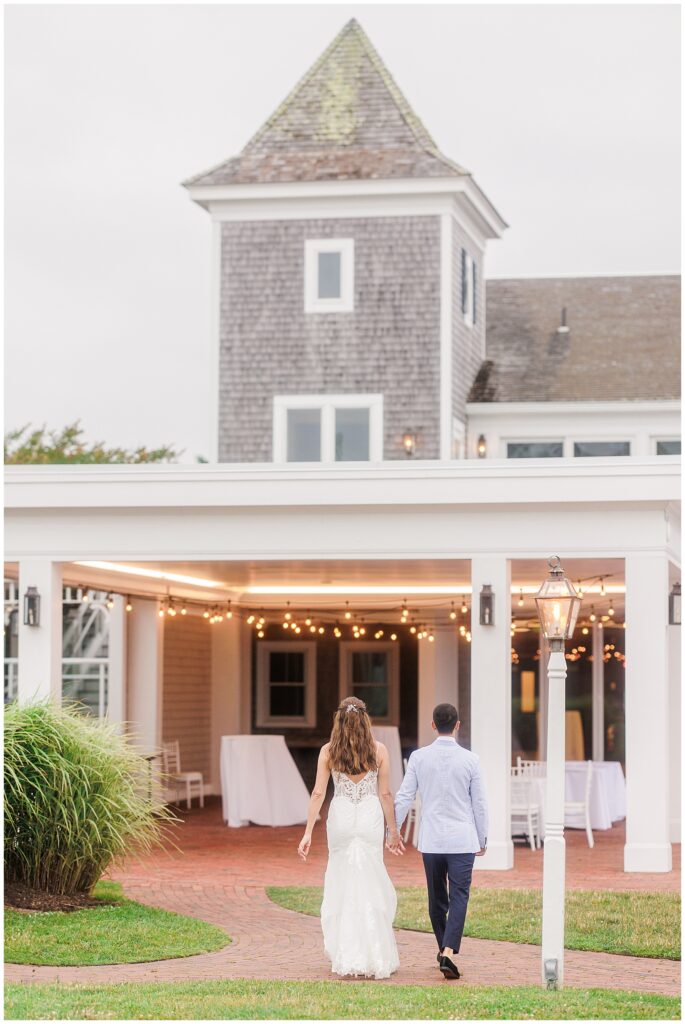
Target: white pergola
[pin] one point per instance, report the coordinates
(293, 525)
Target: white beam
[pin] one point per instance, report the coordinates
(438, 677)
(40, 647)
(145, 666)
(491, 704)
(597, 692)
(226, 714)
(648, 846)
(674, 718)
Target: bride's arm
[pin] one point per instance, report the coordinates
(386, 799)
(316, 799)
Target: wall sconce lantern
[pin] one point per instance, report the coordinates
(487, 605)
(409, 442)
(482, 447)
(32, 607)
(674, 612)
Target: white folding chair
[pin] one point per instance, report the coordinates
(171, 761)
(525, 812)
(583, 806)
(533, 769)
(413, 817)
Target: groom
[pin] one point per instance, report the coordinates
(453, 827)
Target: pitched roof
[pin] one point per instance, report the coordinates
(622, 343)
(346, 119)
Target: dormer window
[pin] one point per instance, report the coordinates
(468, 288)
(328, 428)
(329, 275)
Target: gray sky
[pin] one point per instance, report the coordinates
(567, 115)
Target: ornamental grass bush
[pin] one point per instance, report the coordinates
(76, 796)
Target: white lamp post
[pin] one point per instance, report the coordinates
(558, 604)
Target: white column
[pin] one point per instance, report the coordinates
(438, 677)
(40, 647)
(674, 711)
(116, 695)
(226, 689)
(597, 692)
(491, 704)
(145, 666)
(648, 846)
(554, 873)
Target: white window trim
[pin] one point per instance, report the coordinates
(662, 437)
(347, 647)
(312, 302)
(470, 299)
(328, 404)
(264, 719)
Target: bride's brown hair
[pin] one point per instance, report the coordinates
(352, 748)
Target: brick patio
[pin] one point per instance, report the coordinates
(220, 875)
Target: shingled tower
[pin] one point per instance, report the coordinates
(348, 271)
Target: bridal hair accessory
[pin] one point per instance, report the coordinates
(352, 707)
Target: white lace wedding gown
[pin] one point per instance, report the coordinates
(359, 900)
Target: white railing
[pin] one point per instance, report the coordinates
(85, 680)
(11, 678)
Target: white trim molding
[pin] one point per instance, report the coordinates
(313, 249)
(347, 649)
(328, 404)
(264, 718)
(446, 274)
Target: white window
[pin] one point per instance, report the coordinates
(535, 449)
(468, 288)
(329, 275)
(599, 449)
(370, 670)
(286, 684)
(668, 446)
(328, 428)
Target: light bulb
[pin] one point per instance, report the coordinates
(412, 629)
(260, 633)
(129, 606)
(585, 631)
(285, 625)
(205, 614)
(307, 622)
(287, 616)
(184, 610)
(321, 629)
(312, 629)
(250, 620)
(393, 636)
(464, 609)
(611, 611)
(348, 615)
(161, 613)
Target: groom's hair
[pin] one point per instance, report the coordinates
(445, 717)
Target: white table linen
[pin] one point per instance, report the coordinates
(607, 794)
(389, 735)
(260, 782)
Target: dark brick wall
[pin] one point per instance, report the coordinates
(389, 344)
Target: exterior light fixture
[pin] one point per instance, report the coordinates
(674, 612)
(409, 443)
(482, 447)
(558, 605)
(32, 607)
(487, 605)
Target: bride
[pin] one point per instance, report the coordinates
(359, 900)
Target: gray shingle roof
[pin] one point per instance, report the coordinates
(345, 119)
(623, 342)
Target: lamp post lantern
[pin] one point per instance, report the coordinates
(557, 604)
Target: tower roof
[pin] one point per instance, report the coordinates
(346, 119)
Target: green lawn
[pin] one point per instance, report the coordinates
(124, 933)
(635, 923)
(326, 1000)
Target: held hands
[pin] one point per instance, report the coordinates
(305, 843)
(394, 843)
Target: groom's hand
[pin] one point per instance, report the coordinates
(481, 851)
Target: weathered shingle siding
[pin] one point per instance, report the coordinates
(186, 702)
(389, 344)
(468, 343)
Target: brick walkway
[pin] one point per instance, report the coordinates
(220, 877)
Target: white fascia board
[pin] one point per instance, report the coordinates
(209, 196)
(638, 482)
(524, 409)
(327, 207)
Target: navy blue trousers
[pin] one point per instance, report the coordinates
(449, 881)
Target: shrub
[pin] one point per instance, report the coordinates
(76, 796)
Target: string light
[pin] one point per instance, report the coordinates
(161, 612)
(520, 600)
(84, 594)
(393, 636)
(184, 610)
(592, 616)
(109, 601)
(348, 613)
(453, 613)
(611, 611)
(464, 608)
(129, 606)
(250, 619)
(205, 614)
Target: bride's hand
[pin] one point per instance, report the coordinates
(394, 844)
(303, 848)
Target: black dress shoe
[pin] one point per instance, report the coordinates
(439, 956)
(449, 969)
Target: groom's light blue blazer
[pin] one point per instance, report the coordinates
(454, 813)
